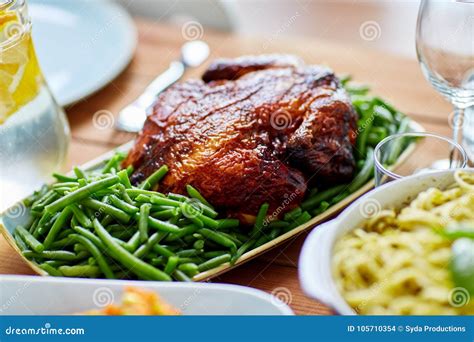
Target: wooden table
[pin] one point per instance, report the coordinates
(394, 78)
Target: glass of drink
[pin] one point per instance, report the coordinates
(445, 48)
(34, 133)
(427, 155)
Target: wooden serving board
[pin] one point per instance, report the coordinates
(8, 223)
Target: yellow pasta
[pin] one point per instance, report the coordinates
(397, 264)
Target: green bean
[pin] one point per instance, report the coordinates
(365, 174)
(79, 248)
(164, 201)
(198, 244)
(365, 122)
(194, 260)
(244, 248)
(107, 220)
(143, 198)
(162, 250)
(86, 271)
(398, 144)
(312, 202)
(208, 211)
(278, 224)
(302, 219)
(163, 226)
(137, 192)
(189, 269)
(79, 173)
(108, 209)
(262, 213)
(55, 255)
(188, 253)
(143, 221)
(133, 243)
(218, 238)
(158, 261)
(50, 270)
(171, 264)
(194, 193)
(57, 226)
(92, 248)
(143, 250)
(81, 216)
(122, 205)
(29, 239)
(213, 254)
(44, 221)
(112, 163)
(92, 261)
(227, 223)
(237, 242)
(177, 197)
(154, 178)
(262, 240)
(274, 233)
(134, 264)
(55, 263)
(321, 208)
(44, 200)
(19, 242)
(187, 230)
(340, 197)
(64, 234)
(81, 193)
(65, 184)
(291, 215)
(124, 180)
(89, 235)
(181, 276)
(63, 191)
(33, 226)
(214, 262)
(61, 244)
(166, 214)
(124, 194)
(63, 178)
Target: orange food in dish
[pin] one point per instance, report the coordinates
(136, 301)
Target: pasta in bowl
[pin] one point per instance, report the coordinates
(406, 248)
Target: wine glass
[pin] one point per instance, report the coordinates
(445, 49)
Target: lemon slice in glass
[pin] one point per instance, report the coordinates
(20, 76)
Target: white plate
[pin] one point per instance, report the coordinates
(81, 45)
(31, 295)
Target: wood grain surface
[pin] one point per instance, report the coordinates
(397, 79)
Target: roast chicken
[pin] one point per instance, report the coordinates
(255, 129)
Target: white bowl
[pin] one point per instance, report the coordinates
(316, 255)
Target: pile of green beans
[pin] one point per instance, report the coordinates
(97, 224)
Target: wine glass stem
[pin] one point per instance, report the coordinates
(457, 123)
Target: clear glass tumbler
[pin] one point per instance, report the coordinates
(34, 133)
(427, 155)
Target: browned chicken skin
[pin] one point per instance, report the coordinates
(255, 130)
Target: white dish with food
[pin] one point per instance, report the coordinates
(406, 282)
(30, 295)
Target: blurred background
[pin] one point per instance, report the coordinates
(338, 20)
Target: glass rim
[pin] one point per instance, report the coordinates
(380, 166)
(20, 29)
(6, 4)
